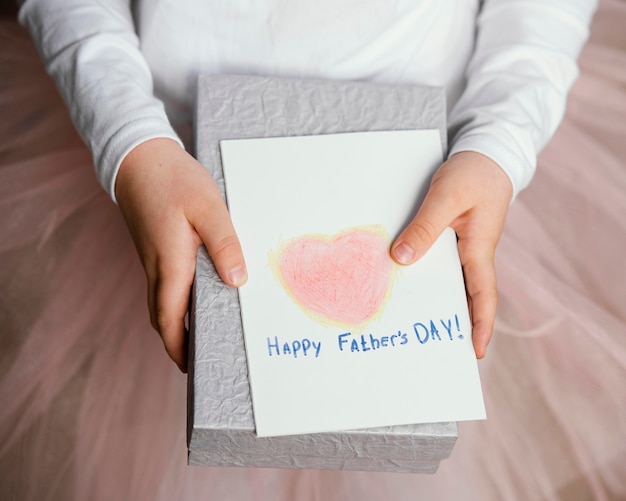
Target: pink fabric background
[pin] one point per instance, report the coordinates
(91, 408)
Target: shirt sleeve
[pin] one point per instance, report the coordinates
(92, 51)
(523, 66)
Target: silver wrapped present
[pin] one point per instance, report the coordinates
(221, 428)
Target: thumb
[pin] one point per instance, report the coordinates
(436, 213)
(216, 230)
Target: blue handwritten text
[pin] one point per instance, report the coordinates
(297, 347)
(366, 343)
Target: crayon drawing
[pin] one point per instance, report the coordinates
(343, 279)
(337, 336)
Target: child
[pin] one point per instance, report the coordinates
(91, 407)
(506, 66)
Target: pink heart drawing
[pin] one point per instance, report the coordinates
(344, 278)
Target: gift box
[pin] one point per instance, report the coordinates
(221, 430)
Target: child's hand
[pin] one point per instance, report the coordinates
(471, 194)
(171, 205)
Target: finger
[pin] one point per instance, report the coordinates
(436, 213)
(152, 301)
(171, 299)
(480, 282)
(218, 234)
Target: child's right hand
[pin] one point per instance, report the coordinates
(171, 205)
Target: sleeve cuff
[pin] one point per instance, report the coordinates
(122, 142)
(520, 169)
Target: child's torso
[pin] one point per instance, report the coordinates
(419, 41)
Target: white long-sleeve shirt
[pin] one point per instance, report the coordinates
(127, 70)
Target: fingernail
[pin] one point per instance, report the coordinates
(403, 253)
(237, 276)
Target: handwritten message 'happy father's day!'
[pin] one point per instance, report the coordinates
(430, 331)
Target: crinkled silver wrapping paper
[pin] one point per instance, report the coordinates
(220, 420)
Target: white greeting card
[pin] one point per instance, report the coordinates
(337, 335)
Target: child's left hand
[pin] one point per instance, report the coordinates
(471, 194)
